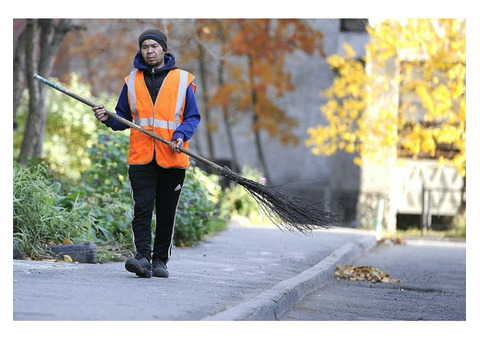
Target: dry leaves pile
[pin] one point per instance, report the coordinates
(398, 240)
(362, 273)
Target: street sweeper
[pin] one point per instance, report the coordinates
(159, 97)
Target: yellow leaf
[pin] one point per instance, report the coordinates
(67, 241)
(67, 258)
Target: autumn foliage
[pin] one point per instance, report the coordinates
(429, 119)
(257, 72)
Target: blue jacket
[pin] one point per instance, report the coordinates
(191, 115)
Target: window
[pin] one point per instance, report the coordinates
(353, 25)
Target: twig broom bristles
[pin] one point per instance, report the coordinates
(282, 208)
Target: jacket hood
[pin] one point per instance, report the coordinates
(169, 63)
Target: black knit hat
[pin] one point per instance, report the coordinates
(155, 34)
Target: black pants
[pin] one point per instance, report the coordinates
(154, 185)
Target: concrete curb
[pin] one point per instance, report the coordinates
(273, 303)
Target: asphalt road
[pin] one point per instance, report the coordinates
(432, 287)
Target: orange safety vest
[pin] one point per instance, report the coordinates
(162, 118)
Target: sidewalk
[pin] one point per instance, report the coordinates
(243, 273)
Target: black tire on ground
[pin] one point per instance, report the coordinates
(84, 252)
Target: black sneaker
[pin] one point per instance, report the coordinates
(139, 265)
(159, 269)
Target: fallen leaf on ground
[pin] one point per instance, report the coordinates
(362, 273)
(392, 240)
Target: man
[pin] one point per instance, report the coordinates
(159, 97)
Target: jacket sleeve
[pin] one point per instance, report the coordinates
(191, 117)
(123, 110)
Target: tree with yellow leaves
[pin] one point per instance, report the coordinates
(429, 79)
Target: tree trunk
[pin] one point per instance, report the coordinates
(51, 38)
(228, 126)
(206, 107)
(18, 73)
(32, 130)
(225, 113)
(256, 132)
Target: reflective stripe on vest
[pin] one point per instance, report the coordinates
(131, 94)
(163, 124)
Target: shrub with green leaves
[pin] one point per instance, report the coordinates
(38, 217)
(237, 201)
(198, 211)
(71, 128)
(106, 189)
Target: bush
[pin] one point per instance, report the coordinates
(198, 211)
(106, 189)
(238, 202)
(71, 129)
(100, 209)
(38, 217)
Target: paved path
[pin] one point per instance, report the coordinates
(228, 272)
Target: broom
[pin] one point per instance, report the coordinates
(285, 210)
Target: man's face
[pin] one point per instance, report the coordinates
(152, 53)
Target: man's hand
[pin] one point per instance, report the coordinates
(100, 114)
(176, 144)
